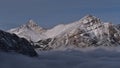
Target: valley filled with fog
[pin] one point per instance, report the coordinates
(79, 58)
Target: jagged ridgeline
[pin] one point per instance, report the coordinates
(89, 31)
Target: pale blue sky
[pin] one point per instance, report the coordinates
(48, 13)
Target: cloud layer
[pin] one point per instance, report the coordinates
(85, 58)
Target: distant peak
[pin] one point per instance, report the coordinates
(89, 16)
(90, 19)
(31, 23)
(31, 20)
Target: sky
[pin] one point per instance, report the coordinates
(48, 13)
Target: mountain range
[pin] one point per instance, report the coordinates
(89, 31)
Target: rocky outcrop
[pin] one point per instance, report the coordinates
(118, 26)
(12, 43)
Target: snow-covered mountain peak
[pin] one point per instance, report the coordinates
(89, 16)
(31, 23)
(30, 31)
(87, 23)
(90, 20)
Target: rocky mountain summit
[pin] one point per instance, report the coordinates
(88, 31)
(31, 31)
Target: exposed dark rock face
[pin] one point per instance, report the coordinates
(12, 43)
(118, 26)
(42, 44)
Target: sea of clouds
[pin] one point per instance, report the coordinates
(79, 58)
